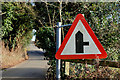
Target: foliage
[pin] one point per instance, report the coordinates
(19, 18)
(102, 17)
(45, 40)
(80, 71)
(17, 24)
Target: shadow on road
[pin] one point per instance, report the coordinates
(22, 79)
(35, 55)
(35, 68)
(25, 73)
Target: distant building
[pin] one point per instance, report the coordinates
(34, 36)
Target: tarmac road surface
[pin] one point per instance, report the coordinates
(35, 68)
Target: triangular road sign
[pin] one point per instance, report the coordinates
(80, 42)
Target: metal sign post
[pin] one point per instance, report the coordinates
(80, 42)
(58, 43)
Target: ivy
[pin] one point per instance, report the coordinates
(102, 18)
(17, 24)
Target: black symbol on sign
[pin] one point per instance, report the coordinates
(79, 42)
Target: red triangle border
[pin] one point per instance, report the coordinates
(81, 56)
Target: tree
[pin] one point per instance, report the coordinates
(17, 24)
(97, 15)
(102, 18)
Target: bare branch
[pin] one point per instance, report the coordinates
(41, 23)
(53, 20)
(60, 11)
(48, 13)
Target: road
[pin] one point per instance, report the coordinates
(34, 68)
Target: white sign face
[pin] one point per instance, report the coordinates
(89, 46)
(80, 42)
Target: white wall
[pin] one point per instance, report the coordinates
(34, 36)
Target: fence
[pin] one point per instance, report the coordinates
(87, 69)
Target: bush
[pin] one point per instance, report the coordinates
(102, 18)
(17, 25)
(45, 39)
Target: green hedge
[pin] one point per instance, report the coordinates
(102, 18)
(17, 24)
